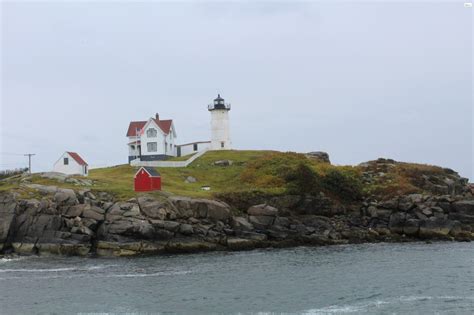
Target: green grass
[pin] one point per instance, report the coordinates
(263, 171)
(118, 180)
(181, 158)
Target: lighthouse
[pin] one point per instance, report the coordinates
(220, 136)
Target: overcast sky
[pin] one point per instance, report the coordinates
(358, 80)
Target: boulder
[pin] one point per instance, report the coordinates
(397, 222)
(263, 210)
(411, 227)
(190, 179)
(261, 222)
(241, 223)
(464, 206)
(153, 208)
(186, 229)
(240, 243)
(318, 156)
(65, 197)
(7, 215)
(436, 227)
(223, 163)
(217, 210)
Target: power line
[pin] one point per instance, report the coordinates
(8, 153)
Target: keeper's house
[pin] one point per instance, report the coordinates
(151, 140)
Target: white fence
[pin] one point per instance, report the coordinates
(137, 162)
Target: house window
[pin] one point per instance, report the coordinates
(66, 161)
(152, 146)
(222, 144)
(151, 133)
(195, 147)
(85, 169)
(133, 147)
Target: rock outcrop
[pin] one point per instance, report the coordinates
(69, 222)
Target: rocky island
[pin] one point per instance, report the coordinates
(257, 199)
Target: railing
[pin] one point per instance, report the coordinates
(218, 106)
(137, 162)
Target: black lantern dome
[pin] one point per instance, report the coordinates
(219, 104)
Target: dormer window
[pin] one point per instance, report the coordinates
(151, 133)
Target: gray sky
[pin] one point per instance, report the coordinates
(360, 80)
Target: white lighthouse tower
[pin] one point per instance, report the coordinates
(220, 136)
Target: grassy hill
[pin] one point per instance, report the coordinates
(268, 172)
(119, 179)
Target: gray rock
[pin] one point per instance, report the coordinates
(190, 179)
(372, 212)
(411, 227)
(261, 222)
(464, 206)
(263, 210)
(397, 222)
(7, 214)
(65, 197)
(156, 208)
(435, 227)
(217, 210)
(186, 229)
(42, 188)
(282, 221)
(318, 156)
(171, 226)
(223, 163)
(241, 223)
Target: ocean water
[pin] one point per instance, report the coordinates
(410, 278)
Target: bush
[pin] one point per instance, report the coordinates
(344, 183)
(302, 180)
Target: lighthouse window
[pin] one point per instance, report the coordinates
(222, 144)
(151, 133)
(151, 146)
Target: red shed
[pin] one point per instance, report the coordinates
(147, 179)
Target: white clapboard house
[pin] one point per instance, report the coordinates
(71, 163)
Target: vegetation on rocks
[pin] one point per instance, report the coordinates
(257, 199)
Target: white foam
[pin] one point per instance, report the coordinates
(57, 269)
(360, 307)
(156, 274)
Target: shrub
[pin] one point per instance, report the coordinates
(343, 182)
(302, 180)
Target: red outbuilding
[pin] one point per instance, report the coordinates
(147, 179)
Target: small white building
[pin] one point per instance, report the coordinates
(193, 147)
(71, 163)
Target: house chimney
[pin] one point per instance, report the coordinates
(157, 117)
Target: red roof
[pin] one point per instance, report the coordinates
(164, 125)
(77, 158)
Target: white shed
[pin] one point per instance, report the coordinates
(71, 163)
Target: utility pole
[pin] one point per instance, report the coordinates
(29, 155)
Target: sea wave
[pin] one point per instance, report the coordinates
(372, 305)
(87, 268)
(11, 259)
(57, 274)
(156, 274)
